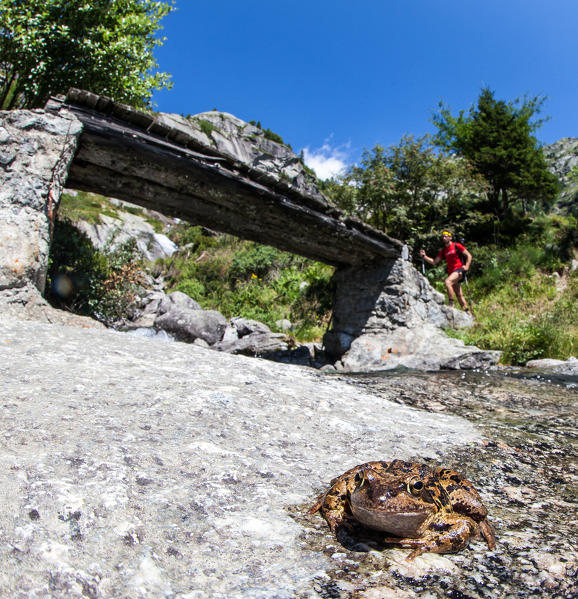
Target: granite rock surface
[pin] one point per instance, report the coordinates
(133, 468)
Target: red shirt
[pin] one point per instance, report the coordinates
(452, 257)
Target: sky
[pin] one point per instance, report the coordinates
(335, 78)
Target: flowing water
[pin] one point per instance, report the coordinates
(525, 469)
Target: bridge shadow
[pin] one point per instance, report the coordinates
(361, 293)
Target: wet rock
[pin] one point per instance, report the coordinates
(569, 366)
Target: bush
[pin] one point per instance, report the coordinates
(84, 280)
(256, 261)
(244, 278)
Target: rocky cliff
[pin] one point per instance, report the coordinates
(562, 157)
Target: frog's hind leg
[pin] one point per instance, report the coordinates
(440, 537)
(488, 533)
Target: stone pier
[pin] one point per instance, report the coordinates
(36, 150)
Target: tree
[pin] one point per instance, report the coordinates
(104, 46)
(409, 190)
(497, 139)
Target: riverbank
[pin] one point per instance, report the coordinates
(135, 468)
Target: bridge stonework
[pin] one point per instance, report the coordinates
(90, 143)
(36, 150)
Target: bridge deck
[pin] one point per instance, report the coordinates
(139, 157)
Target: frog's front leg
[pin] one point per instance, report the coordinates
(444, 535)
(334, 504)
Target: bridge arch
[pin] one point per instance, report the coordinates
(158, 161)
(161, 162)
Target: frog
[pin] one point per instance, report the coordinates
(426, 509)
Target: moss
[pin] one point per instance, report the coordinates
(85, 206)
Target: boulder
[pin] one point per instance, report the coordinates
(251, 338)
(387, 315)
(421, 348)
(188, 325)
(177, 300)
(569, 366)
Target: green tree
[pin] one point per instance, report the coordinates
(409, 190)
(496, 137)
(104, 46)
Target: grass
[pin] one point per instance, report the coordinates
(85, 206)
(243, 278)
(519, 308)
(523, 307)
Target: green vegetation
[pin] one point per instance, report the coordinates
(85, 206)
(411, 189)
(100, 284)
(206, 127)
(523, 296)
(485, 178)
(496, 139)
(107, 47)
(520, 286)
(271, 135)
(90, 207)
(243, 278)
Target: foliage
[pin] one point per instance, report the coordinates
(207, 127)
(526, 319)
(513, 291)
(271, 135)
(409, 189)
(257, 261)
(101, 284)
(85, 206)
(243, 278)
(496, 137)
(104, 46)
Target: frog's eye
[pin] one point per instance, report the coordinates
(415, 486)
(359, 478)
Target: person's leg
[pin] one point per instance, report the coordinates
(450, 286)
(460, 295)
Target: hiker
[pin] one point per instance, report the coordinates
(453, 253)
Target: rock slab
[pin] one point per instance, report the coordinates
(133, 468)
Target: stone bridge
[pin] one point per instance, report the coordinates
(216, 178)
(217, 171)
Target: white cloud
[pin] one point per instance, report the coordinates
(326, 161)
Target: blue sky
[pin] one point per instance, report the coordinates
(336, 77)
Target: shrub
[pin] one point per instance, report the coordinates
(255, 260)
(84, 280)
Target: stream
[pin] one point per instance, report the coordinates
(525, 469)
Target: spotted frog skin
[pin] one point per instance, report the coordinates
(427, 509)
